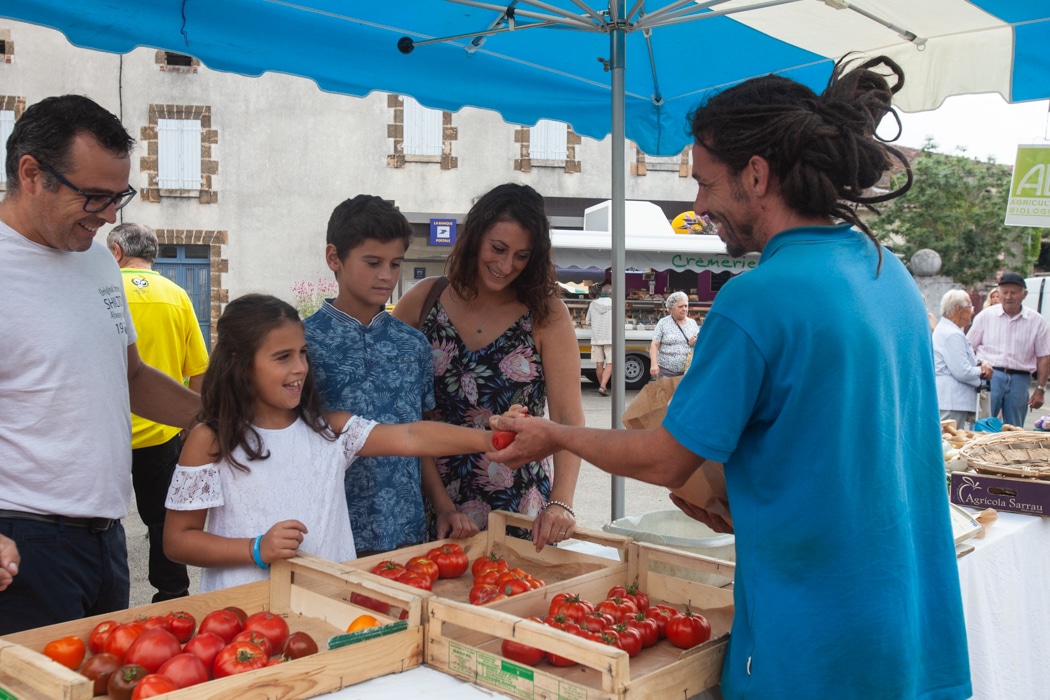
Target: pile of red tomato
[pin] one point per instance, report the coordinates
(159, 654)
(446, 561)
(494, 579)
(625, 619)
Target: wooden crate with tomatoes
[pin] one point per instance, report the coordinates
(310, 596)
(501, 645)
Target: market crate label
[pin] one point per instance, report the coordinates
(1016, 495)
(508, 677)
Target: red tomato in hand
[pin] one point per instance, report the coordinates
(452, 561)
(185, 669)
(298, 645)
(153, 684)
(120, 639)
(238, 657)
(370, 603)
(688, 629)
(182, 625)
(423, 566)
(205, 646)
(256, 639)
(271, 626)
(501, 439)
(388, 569)
(152, 648)
(97, 638)
(222, 623)
(98, 669)
(122, 682)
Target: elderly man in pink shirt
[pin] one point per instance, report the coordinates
(1015, 340)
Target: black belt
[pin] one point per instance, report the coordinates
(1012, 371)
(94, 525)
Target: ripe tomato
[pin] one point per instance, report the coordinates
(424, 566)
(154, 622)
(256, 639)
(631, 592)
(630, 639)
(556, 660)
(271, 626)
(185, 669)
(98, 669)
(152, 648)
(241, 615)
(598, 620)
(362, 622)
(660, 617)
(646, 627)
(411, 578)
(484, 593)
(153, 684)
(452, 561)
(489, 575)
(298, 645)
(221, 622)
(122, 682)
(522, 653)
(619, 608)
(571, 605)
(688, 629)
(238, 657)
(370, 603)
(487, 560)
(68, 651)
(97, 638)
(388, 569)
(120, 639)
(205, 646)
(502, 439)
(182, 625)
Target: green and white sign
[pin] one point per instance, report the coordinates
(1030, 189)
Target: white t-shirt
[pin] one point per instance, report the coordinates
(301, 480)
(65, 423)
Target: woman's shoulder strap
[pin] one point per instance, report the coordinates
(435, 291)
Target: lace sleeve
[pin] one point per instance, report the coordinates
(194, 488)
(355, 432)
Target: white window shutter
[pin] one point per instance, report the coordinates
(7, 124)
(549, 140)
(179, 154)
(423, 129)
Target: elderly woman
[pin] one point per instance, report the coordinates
(958, 373)
(673, 339)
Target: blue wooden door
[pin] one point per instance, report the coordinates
(189, 267)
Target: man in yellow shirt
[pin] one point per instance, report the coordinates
(170, 340)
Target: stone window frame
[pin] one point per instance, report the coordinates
(396, 131)
(218, 295)
(161, 58)
(640, 167)
(16, 104)
(7, 55)
(207, 194)
(526, 162)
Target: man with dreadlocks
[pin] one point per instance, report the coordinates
(827, 422)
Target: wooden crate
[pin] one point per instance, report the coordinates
(312, 594)
(464, 640)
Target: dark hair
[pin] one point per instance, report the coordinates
(136, 240)
(47, 129)
(822, 149)
(524, 206)
(228, 392)
(366, 217)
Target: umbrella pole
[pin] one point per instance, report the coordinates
(617, 42)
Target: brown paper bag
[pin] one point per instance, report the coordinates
(706, 488)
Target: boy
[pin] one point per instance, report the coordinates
(371, 364)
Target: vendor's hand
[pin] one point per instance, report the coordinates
(1036, 401)
(712, 520)
(517, 411)
(455, 525)
(553, 524)
(9, 560)
(282, 541)
(533, 441)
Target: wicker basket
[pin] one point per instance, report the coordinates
(1014, 453)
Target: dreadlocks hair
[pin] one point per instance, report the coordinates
(823, 150)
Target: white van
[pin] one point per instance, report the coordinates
(1038, 295)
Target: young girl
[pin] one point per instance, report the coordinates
(261, 477)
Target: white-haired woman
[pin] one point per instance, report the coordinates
(958, 373)
(673, 338)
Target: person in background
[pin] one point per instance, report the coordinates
(785, 401)
(501, 336)
(375, 366)
(958, 373)
(8, 561)
(599, 318)
(170, 340)
(72, 373)
(1015, 341)
(992, 299)
(673, 338)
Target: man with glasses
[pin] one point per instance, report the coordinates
(71, 373)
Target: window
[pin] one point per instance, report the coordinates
(177, 59)
(422, 129)
(548, 140)
(179, 154)
(677, 164)
(7, 123)
(420, 135)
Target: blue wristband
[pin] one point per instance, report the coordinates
(257, 555)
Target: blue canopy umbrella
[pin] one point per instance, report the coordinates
(567, 59)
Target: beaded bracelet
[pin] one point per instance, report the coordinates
(566, 506)
(257, 555)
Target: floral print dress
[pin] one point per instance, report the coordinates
(469, 387)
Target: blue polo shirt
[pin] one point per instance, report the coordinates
(817, 392)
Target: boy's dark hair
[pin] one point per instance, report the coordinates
(228, 391)
(47, 129)
(366, 217)
(523, 205)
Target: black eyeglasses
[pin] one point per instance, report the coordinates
(94, 203)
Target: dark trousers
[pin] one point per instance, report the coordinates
(66, 573)
(151, 470)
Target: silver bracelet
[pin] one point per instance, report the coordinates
(566, 506)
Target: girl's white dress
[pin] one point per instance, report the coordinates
(301, 480)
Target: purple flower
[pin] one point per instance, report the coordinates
(518, 365)
(493, 476)
(469, 387)
(532, 502)
(443, 353)
(478, 511)
(478, 417)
